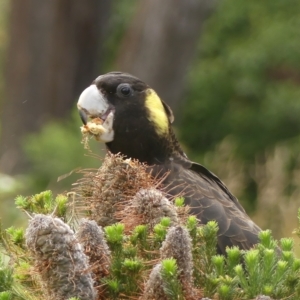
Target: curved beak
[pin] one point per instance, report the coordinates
(92, 103)
(83, 116)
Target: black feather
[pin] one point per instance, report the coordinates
(135, 136)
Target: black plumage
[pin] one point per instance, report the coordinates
(141, 129)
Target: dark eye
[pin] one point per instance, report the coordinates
(124, 90)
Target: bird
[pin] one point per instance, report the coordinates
(138, 124)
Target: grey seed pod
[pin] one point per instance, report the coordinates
(154, 286)
(59, 259)
(153, 205)
(106, 192)
(178, 245)
(91, 237)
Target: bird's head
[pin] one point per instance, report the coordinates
(137, 122)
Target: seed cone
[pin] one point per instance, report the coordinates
(91, 237)
(59, 259)
(178, 245)
(107, 191)
(148, 206)
(154, 286)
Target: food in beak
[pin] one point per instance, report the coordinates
(92, 128)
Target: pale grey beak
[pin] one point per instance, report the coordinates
(91, 103)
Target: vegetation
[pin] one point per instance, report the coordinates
(245, 83)
(239, 115)
(240, 118)
(148, 252)
(244, 88)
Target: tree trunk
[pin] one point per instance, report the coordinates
(50, 59)
(161, 43)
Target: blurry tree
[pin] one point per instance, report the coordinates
(3, 40)
(161, 43)
(246, 82)
(54, 52)
(246, 85)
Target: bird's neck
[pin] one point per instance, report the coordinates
(147, 147)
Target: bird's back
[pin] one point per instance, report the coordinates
(209, 199)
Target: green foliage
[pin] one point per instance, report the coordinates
(139, 236)
(245, 83)
(115, 233)
(179, 202)
(129, 254)
(16, 281)
(160, 230)
(6, 278)
(169, 273)
(22, 271)
(244, 88)
(244, 274)
(125, 267)
(233, 259)
(43, 203)
(265, 269)
(61, 205)
(16, 235)
(5, 296)
(56, 150)
(204, 248)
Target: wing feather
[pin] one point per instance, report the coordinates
(209, 199)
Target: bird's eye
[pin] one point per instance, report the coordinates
(124, 90)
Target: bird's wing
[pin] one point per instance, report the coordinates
(209, 199)
(211, 177)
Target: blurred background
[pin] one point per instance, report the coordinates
(229, 69)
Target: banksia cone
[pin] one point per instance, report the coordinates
(148, 206)
(106, 192)
(178, 245)
(154, 287)
(59, 259)
(91, 237)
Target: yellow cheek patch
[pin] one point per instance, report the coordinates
(157, 113)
